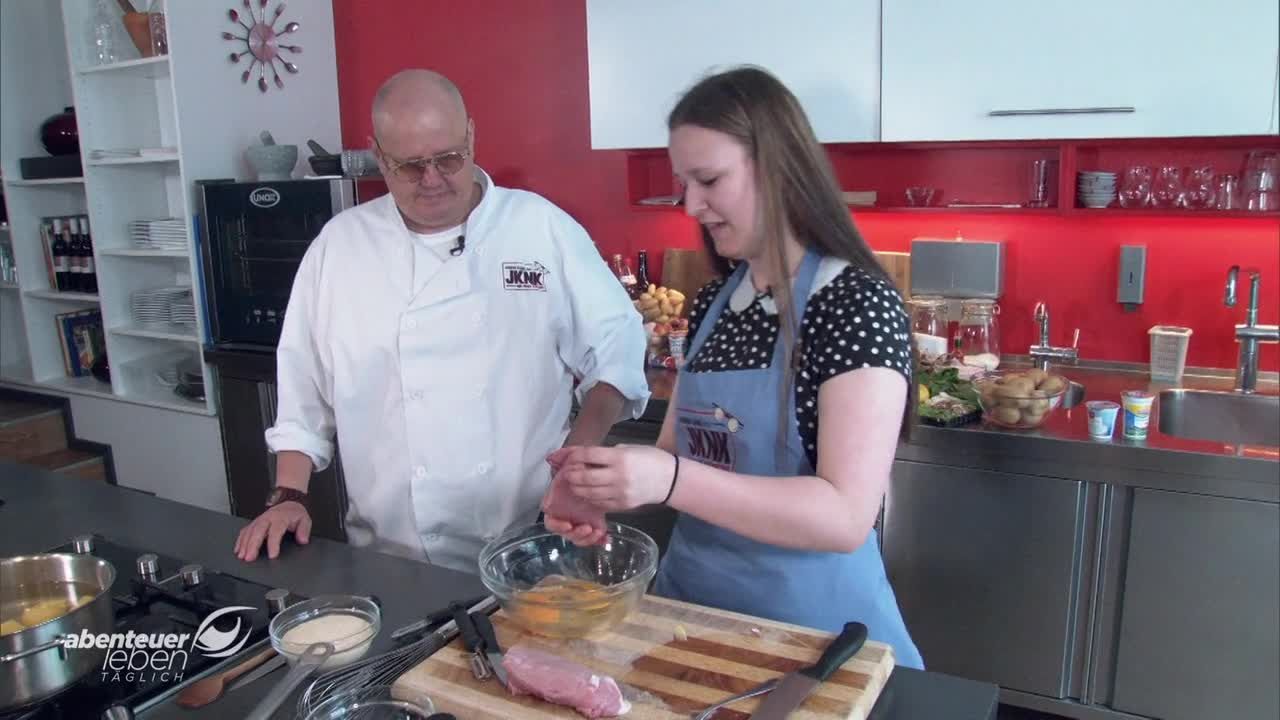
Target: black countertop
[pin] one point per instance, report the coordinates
(43, 510)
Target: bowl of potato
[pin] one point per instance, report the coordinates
(660, 304)
(1020, 399)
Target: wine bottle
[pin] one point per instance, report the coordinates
(642, 273)
(623, 271)
(75, 255)
(61, 259)
(90, 268)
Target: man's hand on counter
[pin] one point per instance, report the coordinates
(271, 525)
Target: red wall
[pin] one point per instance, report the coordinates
(522, 67)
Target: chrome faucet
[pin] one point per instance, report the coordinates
(1043, 352)
(1250, 334)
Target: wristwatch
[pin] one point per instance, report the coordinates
(285, 494)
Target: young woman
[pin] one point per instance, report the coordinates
(781, 431)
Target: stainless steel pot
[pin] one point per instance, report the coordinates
(34, 664)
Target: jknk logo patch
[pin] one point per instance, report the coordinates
(524, 276)
(710, 436)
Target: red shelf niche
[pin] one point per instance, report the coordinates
(1117, 211)
(1226, 155)
(953, 210)
(995, 173)
(649, 175)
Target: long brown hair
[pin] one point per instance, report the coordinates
(796, 190)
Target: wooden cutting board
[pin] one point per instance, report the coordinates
(686, 271)
(663, 677)
(898, 265)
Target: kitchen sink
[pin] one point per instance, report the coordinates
(1074, 395)
(1227, 417)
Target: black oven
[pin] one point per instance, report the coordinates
(253, 236)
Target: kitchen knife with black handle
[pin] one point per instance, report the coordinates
(492, 651)
(794, 687)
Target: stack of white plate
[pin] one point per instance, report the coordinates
(183, 311)
(1096, 189)
(159, 234)
(155, 306)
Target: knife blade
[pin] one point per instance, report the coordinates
(794, 687)
(258, 673)
(492, 651)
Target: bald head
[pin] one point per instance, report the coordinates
(417, 98)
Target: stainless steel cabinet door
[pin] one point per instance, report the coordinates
(1199, 631)
(984, 565)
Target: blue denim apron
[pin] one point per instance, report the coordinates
(729, 419)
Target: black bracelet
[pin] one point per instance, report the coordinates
(674, 475)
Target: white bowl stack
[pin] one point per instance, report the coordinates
(1096, 189)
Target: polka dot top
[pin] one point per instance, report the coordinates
(853, 320)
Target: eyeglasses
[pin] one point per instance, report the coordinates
(446, 163)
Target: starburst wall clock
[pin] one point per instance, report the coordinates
(262, 40)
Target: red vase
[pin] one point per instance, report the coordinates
(59, 135)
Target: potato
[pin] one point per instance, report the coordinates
(648, 302)
(989, 398)
(1032, 419)
(1008, 394)
(676, 296)
(11, 626)
(664, 318)
(666, 307)
(1007, 415)
(651, 289)
(1039, 403)
(1054, 384)
(1036, 375)
(1024, 385)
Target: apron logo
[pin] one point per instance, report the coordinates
(524, 276)
(710, 446)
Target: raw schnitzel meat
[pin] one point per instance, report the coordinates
(564, 504)
(563, 682)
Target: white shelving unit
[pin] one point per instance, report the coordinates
(46, 183)
(191, 101)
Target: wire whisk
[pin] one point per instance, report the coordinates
(382, 669)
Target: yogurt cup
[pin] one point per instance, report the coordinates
(1102, 418)
(1137, 413)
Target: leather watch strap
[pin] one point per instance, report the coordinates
(286, 494)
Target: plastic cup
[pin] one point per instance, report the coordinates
(1102, 418)
(676, 341)
(1137, 413)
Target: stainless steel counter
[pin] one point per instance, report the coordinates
(1062, 446)
(1077, 573)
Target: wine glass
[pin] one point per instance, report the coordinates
(1167, 190)
(1135, 189)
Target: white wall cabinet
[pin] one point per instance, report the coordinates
(642, 56)
(1011, 69)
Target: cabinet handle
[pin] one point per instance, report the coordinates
(1064, 111)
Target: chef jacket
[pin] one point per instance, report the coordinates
(446, 399)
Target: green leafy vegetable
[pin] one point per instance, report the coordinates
(948, 381)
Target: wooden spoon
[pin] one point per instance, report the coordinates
(206, 690)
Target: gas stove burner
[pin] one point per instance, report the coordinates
(156, 594)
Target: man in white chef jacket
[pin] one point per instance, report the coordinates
(437, 331)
